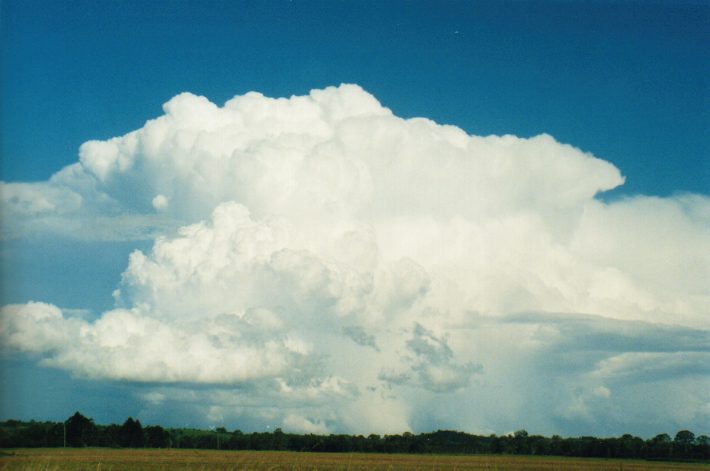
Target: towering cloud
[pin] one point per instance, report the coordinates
(324, 265)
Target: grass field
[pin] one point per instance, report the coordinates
(101, 459)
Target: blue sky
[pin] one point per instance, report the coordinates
(624, 81)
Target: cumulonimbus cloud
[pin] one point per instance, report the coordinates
(322, 253)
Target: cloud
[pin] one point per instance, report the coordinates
(126, 345)
(369, 273)
(336, 152)
(429, 365)
(433, 363)
(358, 335)
(303, 425)
(160, 202)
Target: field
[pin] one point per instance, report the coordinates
(101, 459)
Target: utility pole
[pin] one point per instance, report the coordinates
(64, 427)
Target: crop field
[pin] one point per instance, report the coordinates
(101, 459)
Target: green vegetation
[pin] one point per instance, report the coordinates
(80, 431)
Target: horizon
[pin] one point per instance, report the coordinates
(357, 218)
(221, 429)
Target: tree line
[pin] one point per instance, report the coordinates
(81, 431)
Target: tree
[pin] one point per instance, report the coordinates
(702, 447)
(80, 430)
(156, 437)
(683, 443)
(520, 438)
(279, 440)
(132, 434)
(660, 446)
(110, 436)
(684, 437)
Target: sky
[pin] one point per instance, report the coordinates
(360, 217)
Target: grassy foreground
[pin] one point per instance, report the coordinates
(103, 459)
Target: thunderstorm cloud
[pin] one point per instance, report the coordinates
(322, 264)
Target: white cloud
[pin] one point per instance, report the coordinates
(160, 202)
(34, 199)
(295, 423)
(361, 270)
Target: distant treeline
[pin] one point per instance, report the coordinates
(80, 431)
